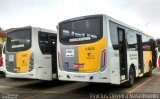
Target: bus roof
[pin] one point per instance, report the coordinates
(42, 29)
(126, 25)
(108, 18)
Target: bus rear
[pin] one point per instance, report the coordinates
(82, 51)
(31, 53)
(18, 52)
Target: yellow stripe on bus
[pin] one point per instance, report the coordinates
(90, 55)
(22, 61)
(147, 58)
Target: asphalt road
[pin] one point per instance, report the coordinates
(32, 89)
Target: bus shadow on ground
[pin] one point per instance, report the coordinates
(84, 90)
(2, 75)
(100, 88)
(44, 85)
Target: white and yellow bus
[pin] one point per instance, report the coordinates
(158, 52)
(2, 58)
(31, 53)
(98, 48)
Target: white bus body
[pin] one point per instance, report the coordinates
(101, 49)
(31, 54)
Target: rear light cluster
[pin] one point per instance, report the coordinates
(103, 60)
(1, 61)
(59, 59)
(159, 62)
(31, 62)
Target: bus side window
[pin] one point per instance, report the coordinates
(43, 43)
(120, 35)
(146, 43)
(158, 48)
(132, 40)
(114, 35)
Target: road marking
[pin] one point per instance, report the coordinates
(34, 95)
(5, 87)
(132, 90)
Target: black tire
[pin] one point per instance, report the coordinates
(150, 70)
(131, 81)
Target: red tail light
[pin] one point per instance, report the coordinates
(1, 62)
(103, 60)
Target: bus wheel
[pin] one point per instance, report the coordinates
(131, 77)
(150, 70)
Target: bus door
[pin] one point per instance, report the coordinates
(122, 53)
(45, 60)
(154, 53)
(53, 50)
(140, 53)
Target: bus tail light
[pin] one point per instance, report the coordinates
(103, 60)
(1, 62)
(31, 62)
(59, 61)
(159, 62)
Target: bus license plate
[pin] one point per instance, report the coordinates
(78, 65)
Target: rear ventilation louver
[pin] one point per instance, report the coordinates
(31, 62)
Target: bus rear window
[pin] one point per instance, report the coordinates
(81, 31)
(18, 40)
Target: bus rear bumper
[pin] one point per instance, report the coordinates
(28, 75)
(84, 77)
